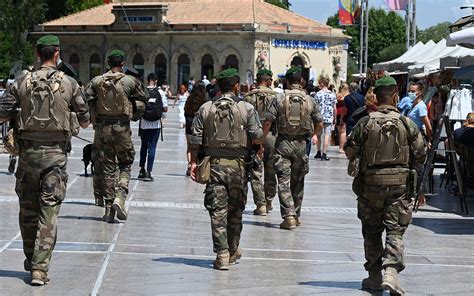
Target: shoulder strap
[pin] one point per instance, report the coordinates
(355, 100)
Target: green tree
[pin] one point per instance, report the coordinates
(281, 3)
(435, 33)
(16, 18)
(385, 30)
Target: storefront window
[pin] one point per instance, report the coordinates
(161, 68)
(207, 66)
(184, 69)
(139, 65)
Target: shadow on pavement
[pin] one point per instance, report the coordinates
(22, 275)
(81, 218)
(341, 285)
(264, 224)
(204, 263)
(446, 226)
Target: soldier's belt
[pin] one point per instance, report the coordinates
(35, 144)
(113, 121)
(226, 161)
(292, 137)
(386, 177)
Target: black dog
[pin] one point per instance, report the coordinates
(87, 158)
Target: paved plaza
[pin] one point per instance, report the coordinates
(165, 245)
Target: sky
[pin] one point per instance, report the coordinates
(429, 12)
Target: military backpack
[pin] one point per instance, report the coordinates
(225, 124)
(112, 100)
(386, 151)
(295, 112)
(45, 109)
(261, 99)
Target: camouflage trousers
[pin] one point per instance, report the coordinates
(116, 153)
(269, 177)
(41, 182)
(291, 166)
(256, 181)
(390, 212)
(225, 199)
(98, 178)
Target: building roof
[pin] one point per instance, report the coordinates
(206, 12)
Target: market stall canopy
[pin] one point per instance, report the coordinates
(466, 73)
(424, 59)
(463, 38)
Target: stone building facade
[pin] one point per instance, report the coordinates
(181, 39)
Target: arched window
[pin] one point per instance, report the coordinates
(94, 66)
(160, 68)
(75, 64)
(297, 61)
(231, 62)
(138, 64)
(207, 66)
(183, 69)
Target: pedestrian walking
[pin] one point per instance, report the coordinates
(117, 99)
(150, 127)
(326, 99)
(340, 113)
(263, 190)
(47, 108)
(181, 98)
(388, 147)
(196, 99)
(352, 102)
(225, 128)
(296, 116)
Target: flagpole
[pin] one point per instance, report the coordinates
(407, 25)
(413, 22)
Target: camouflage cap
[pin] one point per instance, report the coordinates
(48, 40)
(293, 70)
(115, 54)
(386, 81)
(228, 73)
(264, 72)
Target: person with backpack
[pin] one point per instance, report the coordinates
(116, 98)
(354, 101)
(263, 191)
(297, 117)
(46, 108)
(387, 147)
(224, 128)
(150, 127)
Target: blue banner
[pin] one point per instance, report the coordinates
(299, 44)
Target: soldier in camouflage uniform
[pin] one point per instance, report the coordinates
(46, 107)
(387, 147)
(297, 116)
(224, 128)
(263, 192)
(116, 99)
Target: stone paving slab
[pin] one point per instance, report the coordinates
(165, 246)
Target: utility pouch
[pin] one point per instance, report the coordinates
(203, 173)
(353, 167)
(11, 144)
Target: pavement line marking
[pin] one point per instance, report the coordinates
(110, 251)
(288, 259)
(18, 234)
(10, 242)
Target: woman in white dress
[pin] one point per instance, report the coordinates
(181, 98)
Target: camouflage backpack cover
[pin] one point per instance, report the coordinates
(112, 100)
(225, 124)
(386, 152)
(45, 109)
(295, 111)
(261, 99)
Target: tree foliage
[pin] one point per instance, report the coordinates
(281, 3)
(435, 33)
(385, 30)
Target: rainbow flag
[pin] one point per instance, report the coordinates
(397, 4)
(349, 11)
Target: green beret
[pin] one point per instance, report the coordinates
(48, 40)
(293, 70)
(385, 81)
(228, 73)
(116, 53)
(264, 72)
